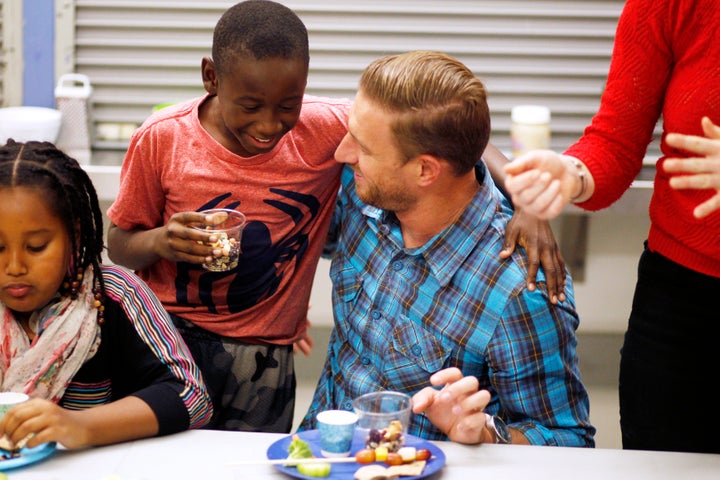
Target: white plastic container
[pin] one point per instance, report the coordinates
(72, 97)
(24, 124)
(530, 128)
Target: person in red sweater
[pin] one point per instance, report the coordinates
(665, 63)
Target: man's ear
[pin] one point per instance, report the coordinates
(429, 169)
(209, 75)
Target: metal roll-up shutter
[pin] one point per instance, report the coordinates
(142, 53)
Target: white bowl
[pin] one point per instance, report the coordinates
(24, 124)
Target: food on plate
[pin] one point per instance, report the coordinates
(406, 461)
(378, 472)
(299, 449)
(6, 443)
(8, 454)
(381, 453)
(408, 469)
(390, 437)
(11, 449)
(314, 469)
(371, 472)
(422, 454)
(366, 455)
(402, 456)
(408, 454)
(394, 459)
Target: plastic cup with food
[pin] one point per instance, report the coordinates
(225, 227)
(384, 418)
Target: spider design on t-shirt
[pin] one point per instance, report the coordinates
(263, 264)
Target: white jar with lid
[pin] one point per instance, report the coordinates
(530, 128)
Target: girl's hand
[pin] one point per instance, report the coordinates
(126, 419)
(543, 182)
(44, 421)
(701, 172)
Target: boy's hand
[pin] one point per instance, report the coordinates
(180, 242)
(305, 344)
(539, 242)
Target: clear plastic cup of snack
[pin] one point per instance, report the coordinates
(383, 417)
(226, 227)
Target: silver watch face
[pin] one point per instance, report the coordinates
(502, 433)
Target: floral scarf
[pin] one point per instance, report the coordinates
(67, 336)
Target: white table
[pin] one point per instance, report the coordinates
(203, 455)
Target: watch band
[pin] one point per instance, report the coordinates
(496, 425)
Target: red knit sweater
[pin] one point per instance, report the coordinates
(666, 61)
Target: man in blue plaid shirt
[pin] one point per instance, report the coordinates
(423, 303)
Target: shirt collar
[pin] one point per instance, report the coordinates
(447, 251)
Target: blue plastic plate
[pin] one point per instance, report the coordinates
(345, 471)
(27, 456)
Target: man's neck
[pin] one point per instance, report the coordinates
(437, 210)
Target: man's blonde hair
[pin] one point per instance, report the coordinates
(440, 106)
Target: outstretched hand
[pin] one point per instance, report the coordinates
(700, 172)
(537, 237)
(457, 408)
(541, 183)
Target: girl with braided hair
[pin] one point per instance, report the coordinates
(75, 333)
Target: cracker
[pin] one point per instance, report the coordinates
(408, 469)
(378, 472)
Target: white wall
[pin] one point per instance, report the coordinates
(615, 242)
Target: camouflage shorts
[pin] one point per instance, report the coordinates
(252, 386)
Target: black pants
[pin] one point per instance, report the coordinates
(670, 360)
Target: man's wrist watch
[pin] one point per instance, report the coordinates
(496, 425)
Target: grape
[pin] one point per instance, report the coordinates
(375, 435)
(365, 456)
(394, 459)
(422, 454)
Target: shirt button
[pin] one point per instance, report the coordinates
(365, 361)
(397, 265)
(347, 405)
(416, 350)
(375, 315)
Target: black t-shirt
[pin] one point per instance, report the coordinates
(125, 365)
